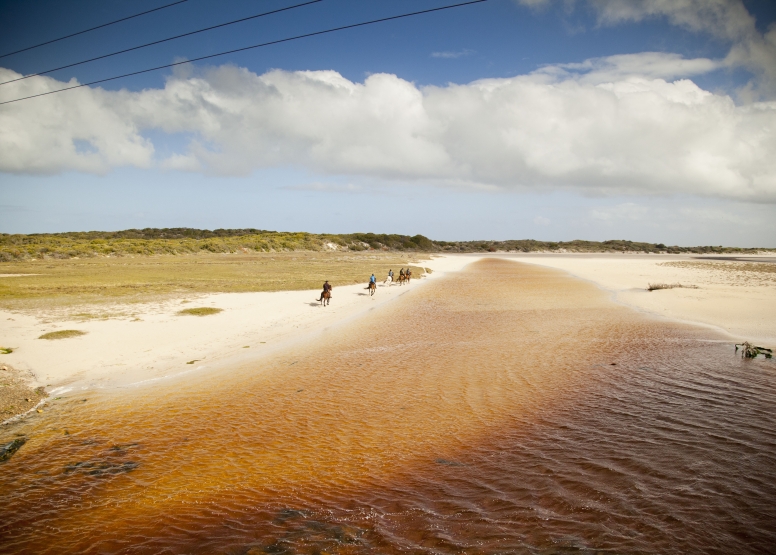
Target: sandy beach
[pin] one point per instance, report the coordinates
(157, 343)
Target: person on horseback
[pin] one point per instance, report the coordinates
(401, 272)
(326, 287)
(373, 279)
(390, 276)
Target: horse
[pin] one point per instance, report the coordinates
(402, 278)
(372, 288)
(388, 280)
(408, 275)
(325, 298)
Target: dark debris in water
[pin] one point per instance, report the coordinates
(101, 468)
(7, 450)
(448, 463)
(124, 446)
(301, 531)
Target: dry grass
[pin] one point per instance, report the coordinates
(62, 334)
(200, 311)
(66, 284)
(656, 286)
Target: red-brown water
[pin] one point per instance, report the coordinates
(507, 409)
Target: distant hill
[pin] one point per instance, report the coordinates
(177, 241)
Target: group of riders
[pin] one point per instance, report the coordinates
(404, 275)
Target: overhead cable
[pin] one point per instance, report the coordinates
(93, 28)
(161, 41)
(279, 41)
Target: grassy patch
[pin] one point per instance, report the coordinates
(62, 334)
(5, 350)
(200, 311)
(67, 284)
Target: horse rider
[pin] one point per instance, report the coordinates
(372, 280)
(326, 287)
(390, 275)
(401, 272)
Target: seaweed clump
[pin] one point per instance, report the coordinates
(751, 351)
(7, 450)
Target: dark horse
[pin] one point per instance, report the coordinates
(325, 297)
(408, 275)
(402, 278)
(372, 288)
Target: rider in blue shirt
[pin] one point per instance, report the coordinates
(372, 279)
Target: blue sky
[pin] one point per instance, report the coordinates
(339, 153)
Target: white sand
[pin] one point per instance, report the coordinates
(127, 352)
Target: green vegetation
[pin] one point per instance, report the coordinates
(199, 311)
(62, 334)
(100, 282)
(5, 350)
(177, 241)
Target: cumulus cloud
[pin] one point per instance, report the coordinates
(725, 19)
(601, 127)
(81, 130)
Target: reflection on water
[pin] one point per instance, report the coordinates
(506, 409)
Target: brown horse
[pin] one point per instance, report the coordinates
(402, 278)
(325, 297)
(372, 288)
(408, 275)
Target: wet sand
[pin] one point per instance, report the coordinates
(505, 408)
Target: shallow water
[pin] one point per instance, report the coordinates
(507, 409)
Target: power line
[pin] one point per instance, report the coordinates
(93, 28)
(248, 48)
(161, 41)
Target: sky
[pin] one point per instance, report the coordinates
(648, 120)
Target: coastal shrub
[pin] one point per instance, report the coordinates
(148, 242)
(62, 334)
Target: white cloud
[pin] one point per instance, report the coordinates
(607, 126)
(452, 54)
(46, 136)
(644, 65)
(725, 19)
